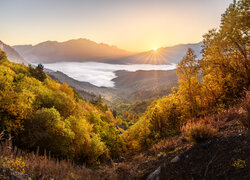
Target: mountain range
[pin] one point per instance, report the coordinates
(164, 55)
(82, 50)
(78, 50)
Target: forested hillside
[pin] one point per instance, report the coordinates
(206, 86)
(39, 112)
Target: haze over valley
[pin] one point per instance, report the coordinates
(100, 74)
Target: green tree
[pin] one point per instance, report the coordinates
(189, 85)
(38, 72)
(2, 55)
(47, 130)
(225, 63)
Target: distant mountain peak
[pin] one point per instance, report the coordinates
(163, 55)
(80, 50)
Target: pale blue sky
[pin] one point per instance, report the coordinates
(135, 25)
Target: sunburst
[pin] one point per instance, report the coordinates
(155, 48)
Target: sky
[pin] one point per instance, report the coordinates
(133, 25)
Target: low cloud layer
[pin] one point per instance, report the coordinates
(100, 74)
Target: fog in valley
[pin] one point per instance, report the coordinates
(100, 74)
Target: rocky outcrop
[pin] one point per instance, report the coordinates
(155, 175)
(8, 174)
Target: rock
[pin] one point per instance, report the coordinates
(7, 173)
(121, 159)
(155, 175)
(175, 160)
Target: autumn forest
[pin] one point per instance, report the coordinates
(39, 114)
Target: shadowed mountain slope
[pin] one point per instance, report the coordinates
(12, 54)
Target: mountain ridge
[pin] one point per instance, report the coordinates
(78, 50)
(83, 50)
(163, 55)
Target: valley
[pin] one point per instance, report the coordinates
(129, 86)
(149, 108)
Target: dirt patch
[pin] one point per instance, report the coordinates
(213, 159)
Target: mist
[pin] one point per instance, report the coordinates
(100, 74)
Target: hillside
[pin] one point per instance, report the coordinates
(225, 156)
(144, 80)
(82, 88)
(78, 50)
(42, 113)
(12, 55)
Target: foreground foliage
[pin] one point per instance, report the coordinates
(38, 111)
(16, 162)
(198, 131)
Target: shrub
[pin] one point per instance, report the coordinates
(16, 164)
(244, 111)
(2, 55)
(239, 164)
(40, 167)
(38, 72)
(164, 145)
(198, 131)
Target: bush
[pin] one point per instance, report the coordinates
(38, 72)
(39, 167)
(198, 131)
(2, 55)
(164, 145)
(244, 111)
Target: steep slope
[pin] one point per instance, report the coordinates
(86, 90)
(12, 54)
(46, 114)
(225, 156)
(141, 85)
(133, 81)
(73, 50)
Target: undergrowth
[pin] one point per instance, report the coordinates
(40, 167)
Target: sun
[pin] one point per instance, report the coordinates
(155, 48)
